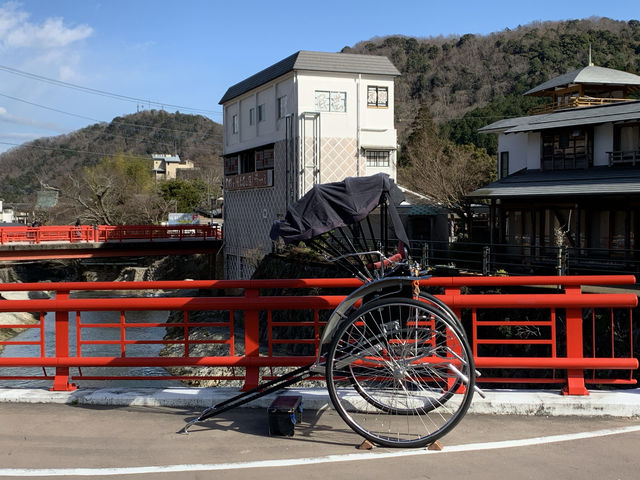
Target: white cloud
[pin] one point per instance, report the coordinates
(11, 17)
(48, 46)
(17, 32)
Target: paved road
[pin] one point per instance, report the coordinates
(141, 443)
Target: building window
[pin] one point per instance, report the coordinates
(234, 124)
(252, 116)
(282, 106)
(378, 158)
(264, 159)
(247, 162)
(377, 97)
(504, 164)
(231, 165)
(565, 149)
(331, 101)
(261, 113)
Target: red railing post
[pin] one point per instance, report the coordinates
(61, 380)
(575, 377)
(454, 291)
(251, 341)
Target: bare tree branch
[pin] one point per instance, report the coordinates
(441, 169)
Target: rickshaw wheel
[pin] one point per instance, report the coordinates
(400, 372)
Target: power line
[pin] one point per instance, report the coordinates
(103, 121)
(103, 93)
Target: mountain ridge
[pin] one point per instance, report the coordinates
(47, 160)
(467, 81)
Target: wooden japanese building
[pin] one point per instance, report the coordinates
(569, 173)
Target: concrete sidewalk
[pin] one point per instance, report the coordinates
(614, 403)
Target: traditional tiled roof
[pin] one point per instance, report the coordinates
(536, 183)
(590, 75)
(314, 61)
(615, 112)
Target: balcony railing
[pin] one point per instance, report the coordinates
(576, 102)
(624, 157)
(567, 161)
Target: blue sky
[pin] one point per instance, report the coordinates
(186, 53)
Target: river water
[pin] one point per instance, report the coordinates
(139, 350)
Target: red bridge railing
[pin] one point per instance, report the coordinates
(106, 233)
(553, 333)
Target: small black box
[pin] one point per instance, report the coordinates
(284, 412)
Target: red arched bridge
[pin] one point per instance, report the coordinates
(88, 241)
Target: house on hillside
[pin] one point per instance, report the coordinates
(165, 167)
(569, 174)
(311, 118)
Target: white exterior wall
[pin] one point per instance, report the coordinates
(525, 148)
(377, 125)
(286, 88)
(368, 127)
(6, 215)
(377, 122)
(270, 130)
(267, 128)
(602, 143)
(334, 124)
(517, 144)
(534, 151)
(247, 132)
(337, 156)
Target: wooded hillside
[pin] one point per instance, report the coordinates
(482, 77)
(50, 160)
(464, 81)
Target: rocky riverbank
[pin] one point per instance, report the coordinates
(15, 318)
(178, 267)
(143, 268)
(296, 264)
(8, 275)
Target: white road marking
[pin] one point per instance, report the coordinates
(525, 442)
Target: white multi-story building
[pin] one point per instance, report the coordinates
(311, 118)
